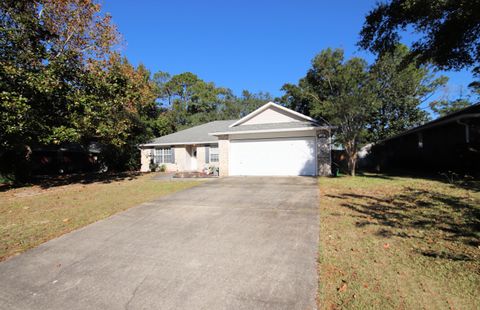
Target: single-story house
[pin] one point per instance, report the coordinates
(270, 141)
(449, 143)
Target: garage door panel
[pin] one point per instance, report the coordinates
(286, 156)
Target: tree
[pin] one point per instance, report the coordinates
(445, 106)
(192, 100)
(50, 51)
(448, 31)
(341, 92)
(296, 98)
(400, 89)
(118, 108)
(238, 107)
(62, 81)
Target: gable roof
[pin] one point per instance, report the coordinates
(270, 105)
(206, 133)
(194, 135)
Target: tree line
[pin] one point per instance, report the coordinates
(63, 80)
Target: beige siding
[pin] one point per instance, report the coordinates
(181, 159)
(272, 115)
(223, 147)
(145, 156)
(202, 164)
(201, 157)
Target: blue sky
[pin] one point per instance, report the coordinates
(255, 45)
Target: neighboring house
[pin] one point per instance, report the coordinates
(449, 143)
(272, 140)
(65, 159)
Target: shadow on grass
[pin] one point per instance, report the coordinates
(80, 178)
(450, 178)
(422, 214)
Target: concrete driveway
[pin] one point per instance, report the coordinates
(232, 243)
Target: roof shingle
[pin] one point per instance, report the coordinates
(197, 134)
(202, 134)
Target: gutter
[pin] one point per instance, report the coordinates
(176, 143)
(266, 130)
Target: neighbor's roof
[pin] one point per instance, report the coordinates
(194, 135)
(472, 111)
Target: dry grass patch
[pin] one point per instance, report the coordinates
(398, 243)
(32, 215)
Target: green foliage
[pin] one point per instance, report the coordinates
(445, 107)
(192, 101)
(399, 88)
(238, 107)
(340, 91)
(364, 104)
(448, 31)
(61, 82)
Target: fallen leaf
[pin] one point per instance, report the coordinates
(343, 287)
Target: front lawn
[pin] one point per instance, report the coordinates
(32, 215)
(398, 243)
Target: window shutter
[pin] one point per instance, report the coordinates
(172, 149)
(207, 154)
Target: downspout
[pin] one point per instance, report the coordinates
(467, 130)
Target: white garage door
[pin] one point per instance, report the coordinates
(283, 156)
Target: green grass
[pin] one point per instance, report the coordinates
(4, 180)
(398, 243)
(30, 216)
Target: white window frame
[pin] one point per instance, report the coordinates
(214, 154)
(163, 155)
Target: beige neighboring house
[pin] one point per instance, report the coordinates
(270, 141)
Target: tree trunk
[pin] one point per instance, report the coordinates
(351, 150)
(352, 163)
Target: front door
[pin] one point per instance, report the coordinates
(193, 158)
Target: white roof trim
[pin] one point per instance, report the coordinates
(266, 106)
(177, 143)
(264, 130)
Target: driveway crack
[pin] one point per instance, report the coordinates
(127, 305)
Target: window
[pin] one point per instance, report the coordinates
(163, 156)
(214, 154)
